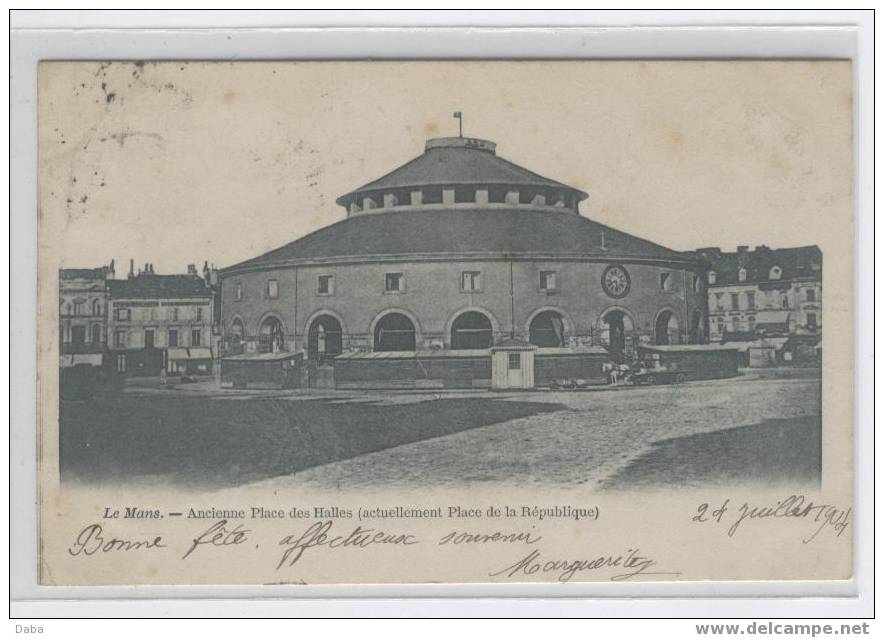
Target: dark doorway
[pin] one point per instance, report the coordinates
(271, 337)
(666, 329)
(237, 331)
(471, 331)
(616, 327)
(324, 338)
(698, 328)
(78, 334)
(394, 333)
(547, 330)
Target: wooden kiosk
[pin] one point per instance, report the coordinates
(512, 365)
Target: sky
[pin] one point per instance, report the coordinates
(177, 163)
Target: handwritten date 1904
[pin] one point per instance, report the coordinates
(794, 506)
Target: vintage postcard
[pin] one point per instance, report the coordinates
(445, 322)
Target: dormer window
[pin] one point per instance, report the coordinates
(711, 277)
(432, 196)
(775, 273)
(464, 195)
(742, 274)
(497, 194)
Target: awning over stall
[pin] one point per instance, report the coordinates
(181, 354)
(71, 360)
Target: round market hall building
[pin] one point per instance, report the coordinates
(462, 250)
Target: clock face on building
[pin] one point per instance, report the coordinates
(615, 281)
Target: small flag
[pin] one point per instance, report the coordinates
(459, 118)
(457, 114)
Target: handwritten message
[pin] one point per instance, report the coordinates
(316, 532)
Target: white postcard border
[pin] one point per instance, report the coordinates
(851, 39)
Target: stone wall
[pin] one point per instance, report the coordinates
(433, 298)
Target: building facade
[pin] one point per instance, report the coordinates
(460, 249)
(764, 293)
(83, 301)
(158, 322)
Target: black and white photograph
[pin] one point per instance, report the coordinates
(426, 292)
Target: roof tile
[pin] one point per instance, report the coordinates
(147, 286)
(459, 231)
(451, 165)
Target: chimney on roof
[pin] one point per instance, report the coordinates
(131, 268)
(111, 272)
(191, 269)
(742, 249)
(762, 247)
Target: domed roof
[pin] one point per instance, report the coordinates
(458, 161)
(464, 233)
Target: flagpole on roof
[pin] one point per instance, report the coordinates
(459, 117)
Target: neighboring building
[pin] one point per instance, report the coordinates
(157, 321)
(460, 249)
(765, 293)
(83, 300)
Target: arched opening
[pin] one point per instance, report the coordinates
(666, 329)
(96, 307)
(96, 333)
(394, 333)
(617, 327)
(237, 330)
(471, 331)
(235, 337)
(324, 338)
(547, 330)
(698, 328)
(271, 337)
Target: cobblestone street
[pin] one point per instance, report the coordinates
(694, 434)
(748, 428)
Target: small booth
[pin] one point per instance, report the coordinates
(512, 365)
(266, 371)
(801, 350)
(189, 361)
(760, 353)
